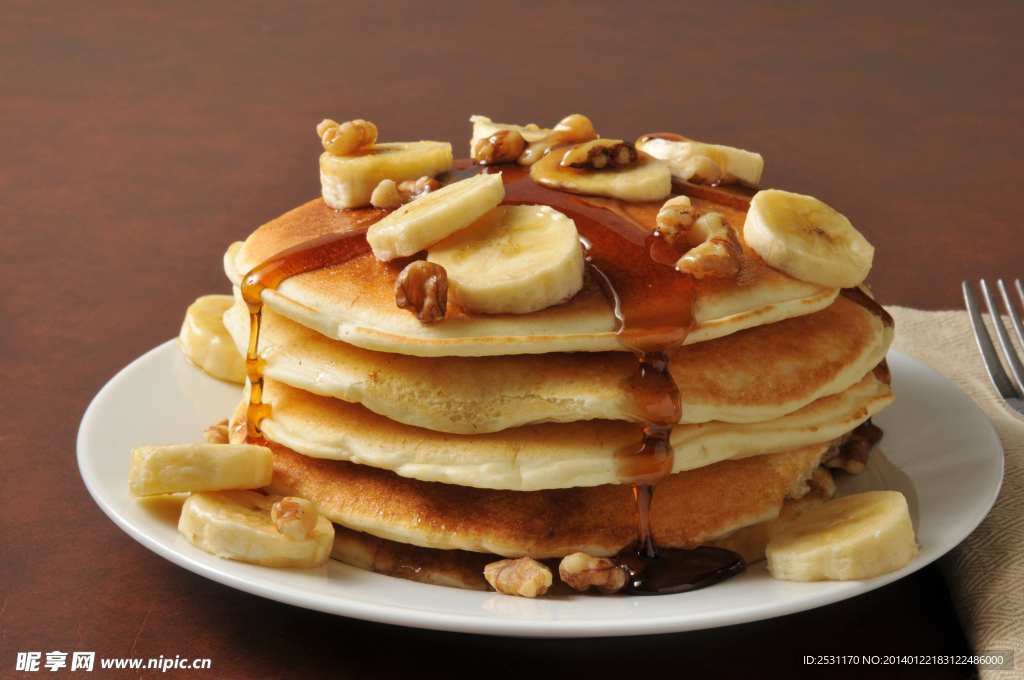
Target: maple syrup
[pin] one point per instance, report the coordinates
(869, 431)
(653, 305)
(319, 253)
(860, 297)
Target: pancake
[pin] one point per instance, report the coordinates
(464, 569)
(753, 375)
(355, 301)
(689, 509)
(545, 456)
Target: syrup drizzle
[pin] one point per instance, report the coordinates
(653, 305)
(858, 296)
(319, 253)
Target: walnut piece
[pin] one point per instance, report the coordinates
(524, 577)
(217, 433)
(581, 571)
(346, 138)
(599, 154)
(572, 129)
(391, 196)
(715, 248)
(386, 196)
(414, 188)
(700, 170)
(504, 146)
(294, 517)
(853, 455)
(676, 218)
(422, 287)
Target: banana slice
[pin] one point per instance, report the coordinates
(808, 240)
(177, 468)
(514, 260)
(238, 525)
(349, 181)
(855, 537)
(737, 165)
(483, 127)
(435, 216)
(206, 342)
(646, 180)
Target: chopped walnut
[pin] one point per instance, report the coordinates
(581, 571)
(386, 196)
(503, 146)
(323, 126)
(391, 196)
(575, 128)
(524, 577)
(715, 251)
(346, 138)
(294, 517)
(852, 456)
(714, 244)
(676, 218)
(599, 154)
(217, 433)
(422, 287)
(572, 129)
(414, 188)
(700, 170)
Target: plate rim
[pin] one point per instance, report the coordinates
(227, 574)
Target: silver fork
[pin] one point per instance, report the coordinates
(1013, 396)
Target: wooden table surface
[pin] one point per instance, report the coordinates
(137, 141)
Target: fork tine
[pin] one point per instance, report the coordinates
(1014, 316)
(1000, 380)
(1004, 338)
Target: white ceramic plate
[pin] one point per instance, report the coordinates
(939, 449)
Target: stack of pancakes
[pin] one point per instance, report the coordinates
(437, 448)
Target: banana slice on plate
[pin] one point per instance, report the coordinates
(176, 468)
(435, 216)
(645, 180)
(854, 537)
(206, 342)
(238, 525)
(514, 260)
(801, 236)
(349, 181)
(737, 165)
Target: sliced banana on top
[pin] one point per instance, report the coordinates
(484, 127)
(349, 181)
(514, 260)
(737, 165)
(854, 537)
(206, 342)
(238, 525)
(801, 236)
(435, 216)
(645, 180)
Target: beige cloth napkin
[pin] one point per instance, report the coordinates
(985, 572)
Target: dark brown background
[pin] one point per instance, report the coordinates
(137, 141)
